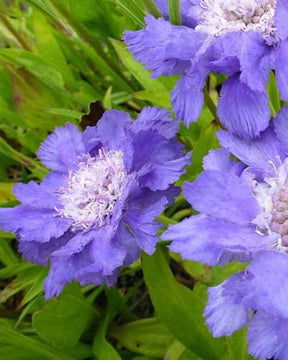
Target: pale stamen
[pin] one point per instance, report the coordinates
(91, 192)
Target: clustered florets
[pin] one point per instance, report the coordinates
(221, 16)
(90, 193)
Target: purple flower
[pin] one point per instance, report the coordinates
(243, 215)
(95, 211)
(243, 39)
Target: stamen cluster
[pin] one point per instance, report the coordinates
(221, 16)
(92, 191)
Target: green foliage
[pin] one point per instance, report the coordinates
(56, 58)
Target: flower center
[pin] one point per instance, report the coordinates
(92, 191)
(272, 196)
(279, 220)
(221, 16)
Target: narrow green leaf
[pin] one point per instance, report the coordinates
(274, 95)
(72, 114)
(133, 10)
(31, 164)
(146, 337)
(101, 347)
(152, 8)
(179, 308)
(11, 337)
(175, 12)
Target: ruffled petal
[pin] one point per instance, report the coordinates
(40, 196)
(140, 219)
(40, 253)
(157, 161)
(33, 224)
(164, 48)
(281, 69)
(281, 129)
(91, 139)
(267, 337)
(222, 195)
(225, 311)
(61, 150)
(266, 291)
(281, 17)
(110, 129)
(156, 119)
(187, 99)
(219, 160)
(257, 153)
(242, 111)
(255, 61)
(213, 241)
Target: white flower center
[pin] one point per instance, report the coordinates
(272, 196)
(221, 16)
(90, 194)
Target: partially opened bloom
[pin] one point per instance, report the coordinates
(244, 39)
(95, 211)
(243, 215)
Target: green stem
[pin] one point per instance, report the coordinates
(210, 104)
(165, 220)
(175, 12)
(182, 214)
(152, 8)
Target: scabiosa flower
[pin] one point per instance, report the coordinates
(95, 211)
(243, 215)
(244, 39)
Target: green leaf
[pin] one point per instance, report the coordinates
(179, 308)
(72, 114)
(175, 12)
(7, 255)
(63, 320)
(48, 49)
(237, 344)
(156, 99)
(274, 95)
(101, 347)
(36, 66)
(152, 8)
(147, 337)
(19, 344)
(132, 8)
(31, 164)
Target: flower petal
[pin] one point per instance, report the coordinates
(267, 337)
(213, 241)
(33, 224)
(281, 69)
(164, 48)
(281, 16)
(281, 129)
(242, 111)
(222, 195)
(156, 119)
(61, 150)
(257, 153)
(187, 99)
(225, 311)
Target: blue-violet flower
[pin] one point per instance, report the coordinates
(95, 211)
(243, 215)
(243, 39)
